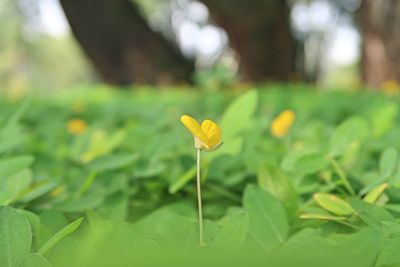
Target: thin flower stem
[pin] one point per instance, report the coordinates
(343, 177)
(200, 208)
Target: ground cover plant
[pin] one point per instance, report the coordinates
(100, 177)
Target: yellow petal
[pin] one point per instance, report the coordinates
(194, 127)
(282, 123)
(212, 131)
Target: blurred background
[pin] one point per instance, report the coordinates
(54, 44)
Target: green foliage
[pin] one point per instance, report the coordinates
(333, 204)
(34, 260)
(388, 161)
(268, 222)
(69, 229)
(15, 236)
(351, 131)
(234, 232)
(327, 194)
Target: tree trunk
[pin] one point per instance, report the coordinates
(259, 32)
(380, 22)
(122, 46)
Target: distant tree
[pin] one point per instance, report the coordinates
(259, 32)
(122, 46)
(380, 24)
(124, 49)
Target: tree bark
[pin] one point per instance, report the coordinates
(380, 22)
(259, 32)
(121, 45)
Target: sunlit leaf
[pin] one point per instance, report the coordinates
(333, 204)
(375, 193)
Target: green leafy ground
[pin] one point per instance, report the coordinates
(123, 191)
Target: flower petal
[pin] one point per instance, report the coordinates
(194, 127)
(212, 131)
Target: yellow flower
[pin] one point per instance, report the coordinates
(76, 126)
(207, 136)
(282, 123)
(390, 87)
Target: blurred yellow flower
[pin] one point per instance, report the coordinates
(282, 123)
(390, 87)
(76, 126)
(207, 136)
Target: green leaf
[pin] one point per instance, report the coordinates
(352, 130)
(19, 112)
(375, 193)
(14, 165)
(33, 219)
(238, 114)
(312, 163)
(15, 237)
(321, 217)
(182, 180)
(233, 233)
(272, 179)
(19, 181)
(383, 118)
(371, 186)
(34, 260)
(390, 255)
(102, 144)
(371, 214)
(10, 137)
(89, 180)
(115, 207)
(67, 230)
(289, 162)
(268, 222)
(81, 204)
(37, 191)
(333, 204)
(388, 161)
(51, 222)
(360, 248)
(112, 162)
(12, 186)
(170, 225)
(391, 229)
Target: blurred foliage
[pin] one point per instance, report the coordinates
(326, 193)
